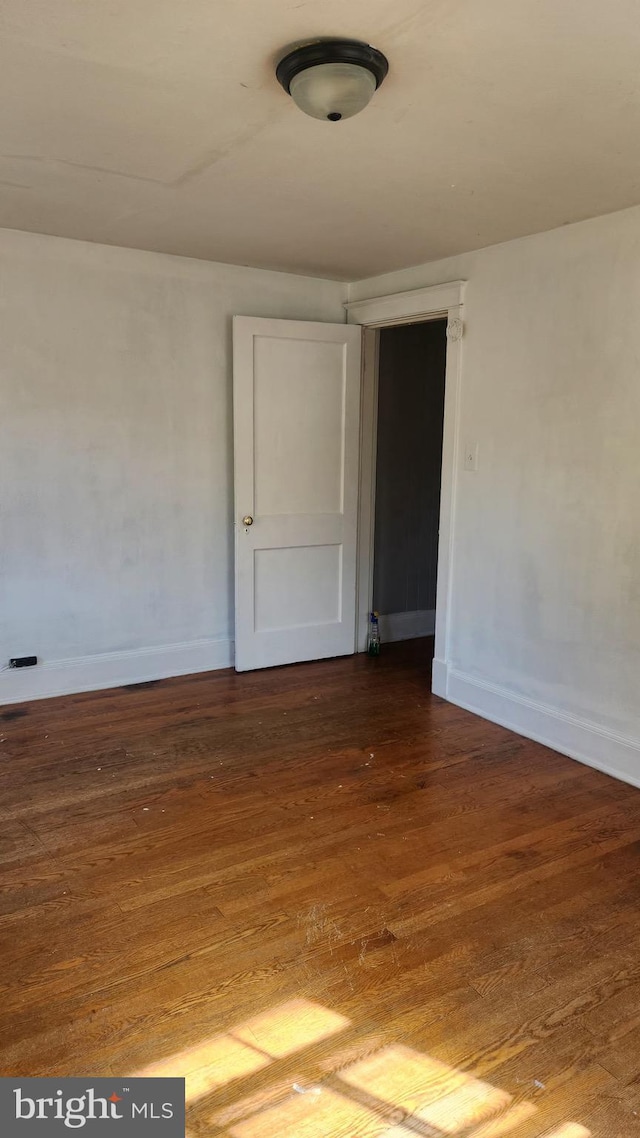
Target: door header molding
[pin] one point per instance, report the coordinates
(407, 307)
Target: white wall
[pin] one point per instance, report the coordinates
(115, 456)
(545, 621)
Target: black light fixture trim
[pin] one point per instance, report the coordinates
(331, 51)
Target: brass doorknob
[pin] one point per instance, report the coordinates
(248, 521)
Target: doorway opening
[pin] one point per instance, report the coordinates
(408, 440)
(417, 306)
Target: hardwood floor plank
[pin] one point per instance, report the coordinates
(320, 877)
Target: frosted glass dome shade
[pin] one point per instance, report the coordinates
(333, 91)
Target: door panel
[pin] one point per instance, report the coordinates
(310, 377)
(296, 428)
(297, 586)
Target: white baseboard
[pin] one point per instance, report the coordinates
(599, 747)
(113, 669)
(439, 677)
(407, 625)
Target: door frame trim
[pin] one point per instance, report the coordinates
(413, 307)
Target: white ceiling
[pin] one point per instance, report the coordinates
(159, 124)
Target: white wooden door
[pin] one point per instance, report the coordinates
(296, 400)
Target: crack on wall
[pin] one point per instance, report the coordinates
(15, 185)
(81, 166)
(213, 157)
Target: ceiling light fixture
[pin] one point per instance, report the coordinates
(333, 78)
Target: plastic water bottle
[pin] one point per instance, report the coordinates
(373, 643)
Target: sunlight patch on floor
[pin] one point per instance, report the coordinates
(504, 1126)
(289, 1028)
(326, 1115)
(395, 1081)
(210, 1065)
(249, 1047)
(396, 1092)
(474, 1102)
(568, 1130)
(403, 1077)
(427, 1089)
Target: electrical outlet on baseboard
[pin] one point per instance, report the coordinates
(471, 456)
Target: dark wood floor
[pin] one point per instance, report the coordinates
(341, 907)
